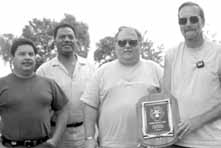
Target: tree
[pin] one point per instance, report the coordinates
(105, 50)
(5, 44)
(149, 51)
(40, 31)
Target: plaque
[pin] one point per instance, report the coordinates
(158, 117)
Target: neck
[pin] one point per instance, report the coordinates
(194, 43)
(67, 59)
(24, 75)
(129, 63)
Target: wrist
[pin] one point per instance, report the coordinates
(89, 138)
(51, 142)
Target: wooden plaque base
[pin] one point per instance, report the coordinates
(158, 118)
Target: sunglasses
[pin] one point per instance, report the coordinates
(123, 43)
(192, 19)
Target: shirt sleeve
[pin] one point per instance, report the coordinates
(219, 63)
(40, 71)
(159, 71)
(91, 94)
(59, 98)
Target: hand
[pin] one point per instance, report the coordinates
(186, 127)
(51, 142)
(91, 143)
(143, 146)
(45, 145)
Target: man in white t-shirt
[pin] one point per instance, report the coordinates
(192, 74)
(111, 97)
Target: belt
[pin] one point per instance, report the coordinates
(76, 124)
(26, 142)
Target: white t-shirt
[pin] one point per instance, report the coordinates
(114, 91)
(197, 89)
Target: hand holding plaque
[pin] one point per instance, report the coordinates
(158, 117)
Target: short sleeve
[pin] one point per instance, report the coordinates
(40, 71)
(219, 63)
(59, 98)
(159, 72)
(91, 94)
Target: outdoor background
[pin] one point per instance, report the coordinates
(155, 19)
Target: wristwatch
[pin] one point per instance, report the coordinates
(89, 138)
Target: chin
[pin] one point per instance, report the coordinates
(67, 53)
(190, 37)
(28, 68)
(67, 49)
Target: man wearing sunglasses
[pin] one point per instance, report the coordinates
(192, 74)
(111, 97)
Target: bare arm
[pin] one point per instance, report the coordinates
(61, 122)
(186, 127)
(167, 75)
(90, 120)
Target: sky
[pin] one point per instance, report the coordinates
(103, 17)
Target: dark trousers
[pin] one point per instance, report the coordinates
(43, 145)
(176, 146)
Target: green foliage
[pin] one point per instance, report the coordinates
(5, 44)
(40, 31)
(105, 51)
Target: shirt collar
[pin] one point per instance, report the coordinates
(80, 61)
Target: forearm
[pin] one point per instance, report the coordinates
(188, 126)
(166, 84)
(90, 120)
(61, 122)
(209, 116)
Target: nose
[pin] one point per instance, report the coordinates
(127, 44)
(66, 38)
(27, 56)
(188, 23)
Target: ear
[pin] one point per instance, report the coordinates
(54, 43)
(11, 63)
(202, 23)
(139, 43)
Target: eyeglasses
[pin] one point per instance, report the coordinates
(192, 19)
(132, 43)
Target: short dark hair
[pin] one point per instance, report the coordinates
(193, 4)
(125, 27)
(63, 25)
(21, 41)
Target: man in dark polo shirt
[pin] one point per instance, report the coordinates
(26, 102)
